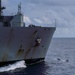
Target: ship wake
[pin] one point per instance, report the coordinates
(12, 67)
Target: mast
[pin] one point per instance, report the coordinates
(0, 8)
(19, 8)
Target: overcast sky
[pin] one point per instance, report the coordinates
(44, 13)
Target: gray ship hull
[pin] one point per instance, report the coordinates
(18, 43)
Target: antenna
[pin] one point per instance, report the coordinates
(19, 8)
(55, 22)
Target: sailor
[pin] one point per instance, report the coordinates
(38, 41)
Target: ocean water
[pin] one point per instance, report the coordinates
(60, 60)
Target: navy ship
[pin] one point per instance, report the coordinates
(18, 42)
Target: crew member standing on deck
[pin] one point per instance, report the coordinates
(38, 41)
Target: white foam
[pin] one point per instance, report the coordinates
(20, 64)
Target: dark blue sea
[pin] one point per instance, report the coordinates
(60, 60)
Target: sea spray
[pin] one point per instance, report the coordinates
(10, 67)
